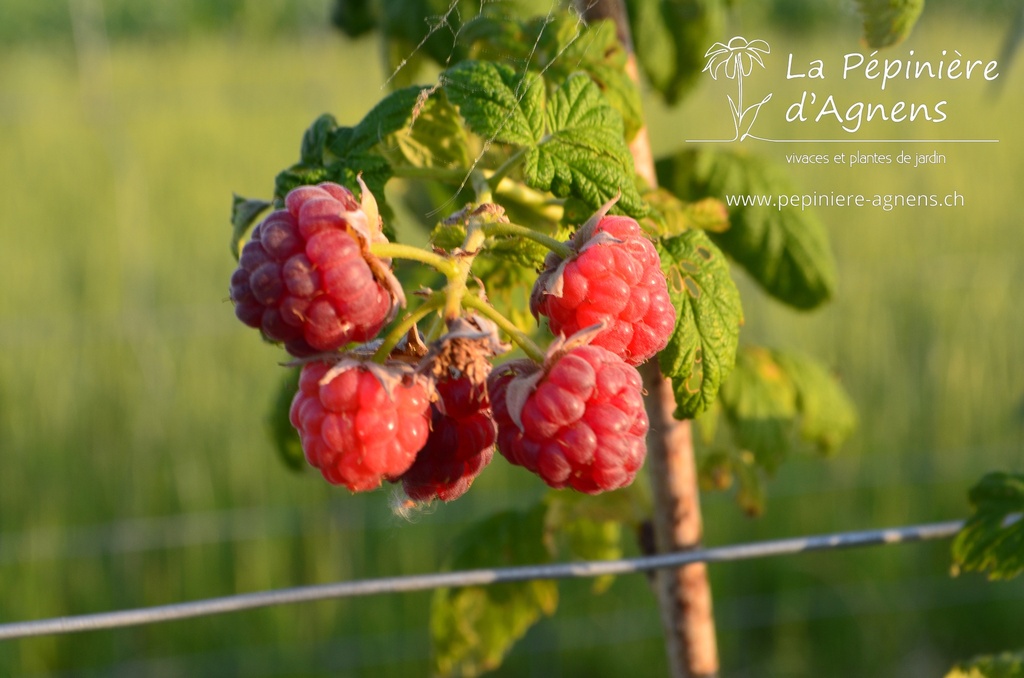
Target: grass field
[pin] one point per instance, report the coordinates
(136, 470)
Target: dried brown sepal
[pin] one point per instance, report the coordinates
(465, 349)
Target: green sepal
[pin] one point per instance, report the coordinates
(702, 349)
(992, 539)
(888, 22)
(283, 435)
(472, 628)
(244, 211)
(786, 251)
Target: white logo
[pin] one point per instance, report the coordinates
(736, 60)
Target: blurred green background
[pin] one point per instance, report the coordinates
(135, 465)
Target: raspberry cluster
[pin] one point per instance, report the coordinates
(582, 424)
(614, 278)
(357, 425)
(306, 278)
(460, 445)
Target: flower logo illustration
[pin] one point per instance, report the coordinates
(736, 60)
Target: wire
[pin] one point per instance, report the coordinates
(481, 577)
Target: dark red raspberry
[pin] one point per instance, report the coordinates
(353, 429)
(304, 277)
(620, 284)
(460, 445)
(582, 424)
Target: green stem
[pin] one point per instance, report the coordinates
(530, 348)
(557, 246)
(394, 250)
(432, 303)
(481, 188)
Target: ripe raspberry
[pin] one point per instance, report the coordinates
(617, 283)
(353, 429)
(305, 277)
(460, 445)
(581, 424)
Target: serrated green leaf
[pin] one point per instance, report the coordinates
(282, 434)
(759, 401)
(473, 627)
(671, 38)
(992, 539)
(557, 46)
(702, 349)
(583, 152)
(315, 140)
(786, 250)
(668, 215)
(244, 211)
(434, 138)
(888, 22)
(1003, 665)
(391, 114)
(827, 416)
(497, 102)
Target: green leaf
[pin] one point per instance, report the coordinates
(557, 46)
(827, 415)
(244, 211)
(750, 484)
(496, 102)
(583, 152)
(589, 527)
(315, 139)
(786, 250)
(282, 434)
(888, 22)
(759, 401)
(670, 216)
(472, 628)
(391, 114)
(573, 140)
(702, 349)
(1003, 665)
(992, 539)
(434, 138)
(671, 38)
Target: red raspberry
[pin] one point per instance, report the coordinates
(460, 445)
(583, 424)
(353, 429)
(617, 283)
(304, 278)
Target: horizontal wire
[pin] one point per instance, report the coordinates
(367, 587)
